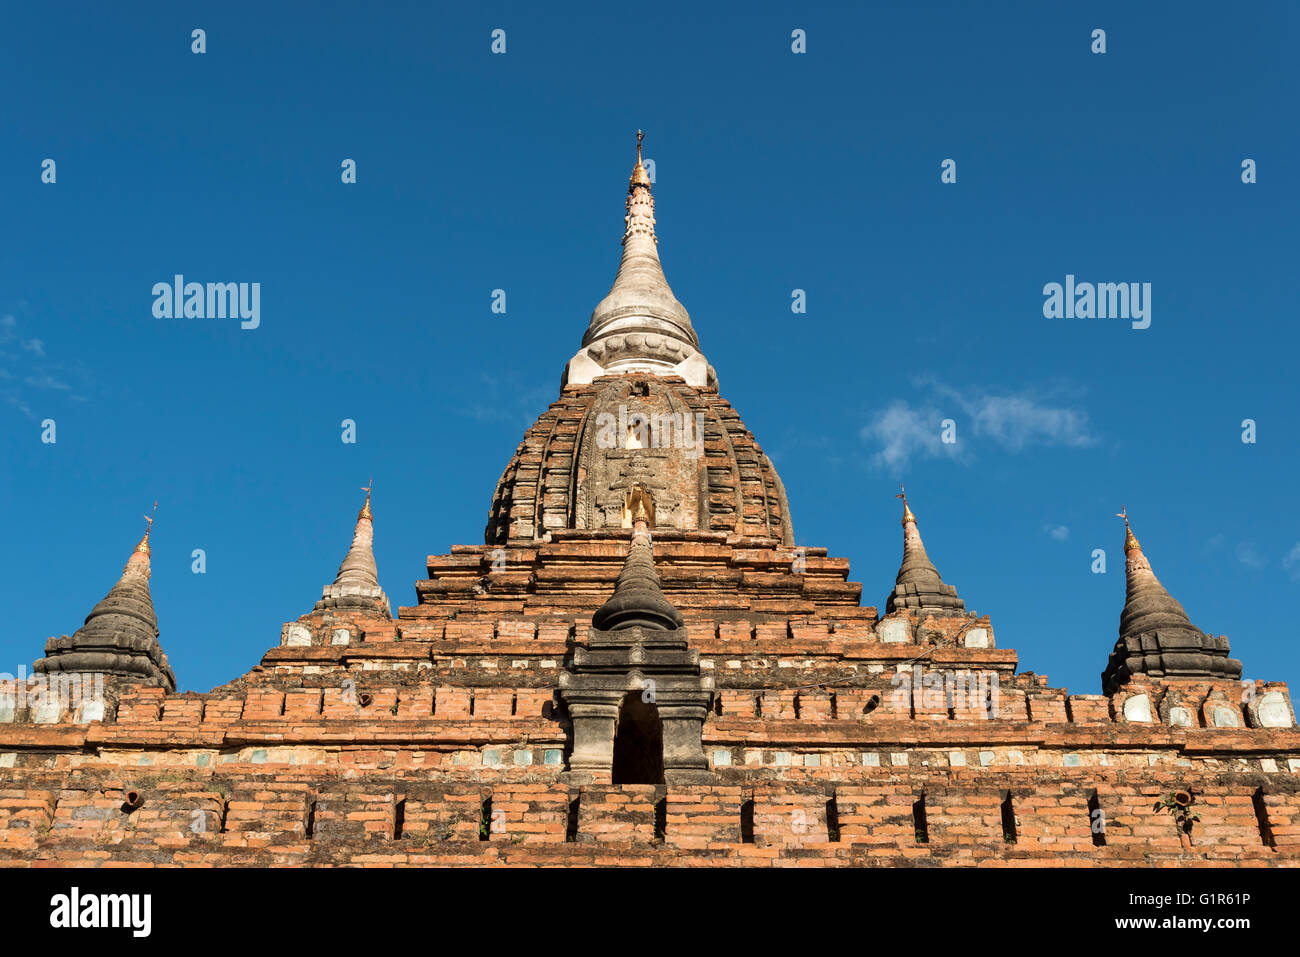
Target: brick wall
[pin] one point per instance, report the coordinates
(440, 741)
(299, 818)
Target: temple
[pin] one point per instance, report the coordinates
(638, 666)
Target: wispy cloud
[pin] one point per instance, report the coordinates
(47, 382)
(1016, 420)
(1291, 562)
(502, 400)
(1013, 421)
(1249, 555)
(1058, 532)
(27, 368)
(902, 431)
(9, 333)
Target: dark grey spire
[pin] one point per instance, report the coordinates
(918, 585)
(1155, 635)
(120, 635)
(637, 598)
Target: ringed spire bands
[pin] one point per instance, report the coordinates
(640, 326)
(1156, 637)
(918, 585)
(120, 635)
(356, 587)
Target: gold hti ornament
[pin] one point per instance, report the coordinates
(907, 512)
(1130, 540)
(143, 547)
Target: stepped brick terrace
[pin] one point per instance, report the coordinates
(638, 667)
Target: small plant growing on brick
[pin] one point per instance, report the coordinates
(393, 709)
(1179, 805)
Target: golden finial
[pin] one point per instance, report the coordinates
(1130, 540)
(907, 512)
(365, 509)
(143, 547)
(639, 175)
(640, 506)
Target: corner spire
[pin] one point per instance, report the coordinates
(120, 635)
(918, 585)
(640, 326)
(1155, 635)
(356, 586)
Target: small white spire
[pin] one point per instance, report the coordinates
(357, 583)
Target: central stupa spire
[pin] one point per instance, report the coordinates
(640, 326)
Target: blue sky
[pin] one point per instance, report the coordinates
(774, 172)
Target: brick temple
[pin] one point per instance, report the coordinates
(639, 667)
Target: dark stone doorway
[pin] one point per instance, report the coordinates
(638, 743)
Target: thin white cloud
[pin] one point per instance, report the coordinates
(906, 430)
(903, 431)
(1291, 562)
(502, 400)
(20, 405)
(1015, 421)
(30, 369)
(47, 382)
(1249, 555)
(1058, 532)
